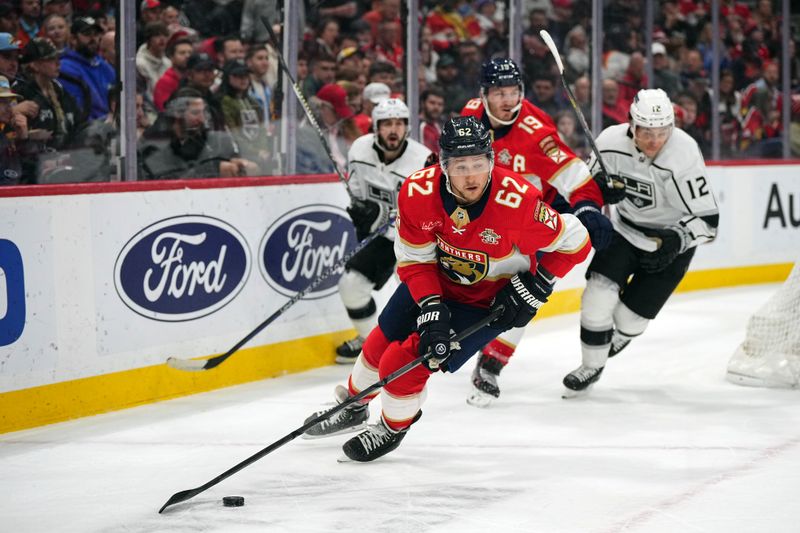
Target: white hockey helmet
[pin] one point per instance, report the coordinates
(652, 108)
(389, 108)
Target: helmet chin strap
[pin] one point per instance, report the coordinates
(514, 110)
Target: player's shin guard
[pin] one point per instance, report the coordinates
(628, 325)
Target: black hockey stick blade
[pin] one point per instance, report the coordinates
(184, 495)
(207, 364)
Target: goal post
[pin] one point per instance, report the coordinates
(770, 353)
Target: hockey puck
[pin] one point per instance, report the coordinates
(233, 501)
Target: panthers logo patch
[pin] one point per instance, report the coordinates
(465, 267)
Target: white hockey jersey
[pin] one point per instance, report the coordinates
(672, 190)
(370, 178)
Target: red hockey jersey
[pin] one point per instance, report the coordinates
(531, 147)
(468, 253)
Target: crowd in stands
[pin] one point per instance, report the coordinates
(208, 88)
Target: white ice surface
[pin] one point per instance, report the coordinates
(662, 444)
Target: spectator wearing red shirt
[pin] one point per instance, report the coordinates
(178, 52)
(613, 112)
(30, 13)
(385, 10)
(430, 118)
(633, 80)
(385, 48)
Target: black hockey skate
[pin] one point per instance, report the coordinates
(580, 380)
(375, 442)
(484, 382)
(347, 352)
(618, 343)
(351, 418)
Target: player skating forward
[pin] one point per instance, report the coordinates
(669, 210)
(526, 140)
(468, 235)
(377, 164)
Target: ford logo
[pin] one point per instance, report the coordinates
(182, 268)
(301, 245)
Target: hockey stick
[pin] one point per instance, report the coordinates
(184, 495)
(304, 103)
(586, 131)
(208, 364)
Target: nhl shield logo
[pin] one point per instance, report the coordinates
(465, 267)
(488, 236)
(504, 157)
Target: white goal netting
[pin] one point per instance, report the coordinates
(770, 353)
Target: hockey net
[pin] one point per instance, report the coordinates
(770, 353)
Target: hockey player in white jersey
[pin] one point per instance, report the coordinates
(669, 209)
(378, 164)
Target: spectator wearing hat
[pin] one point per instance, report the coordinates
(56, 29)
(56, 120)
(350, 57)
(13, 131)
(9, 18)
(200, 76)
(663, 76)
(150, 11)
(257, 60)
(83, 70)
(30, 18)
(190, 149)
(9, 57)
(151, 59)
(337, 121)
(244, 117)
(372, 95)
(178, 52)
(455, 96)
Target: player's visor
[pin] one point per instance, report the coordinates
(653, 134)
(468, 165)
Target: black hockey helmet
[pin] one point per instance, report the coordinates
(500, 72)
(463, 136)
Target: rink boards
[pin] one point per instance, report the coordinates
(100, 283)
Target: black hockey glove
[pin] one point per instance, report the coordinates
(666, 253)
(614, 193)
(367, 216)
(600, 229)
(433, 325)
(522, 298)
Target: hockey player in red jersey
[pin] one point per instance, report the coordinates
(468, 234)
(526, 140)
